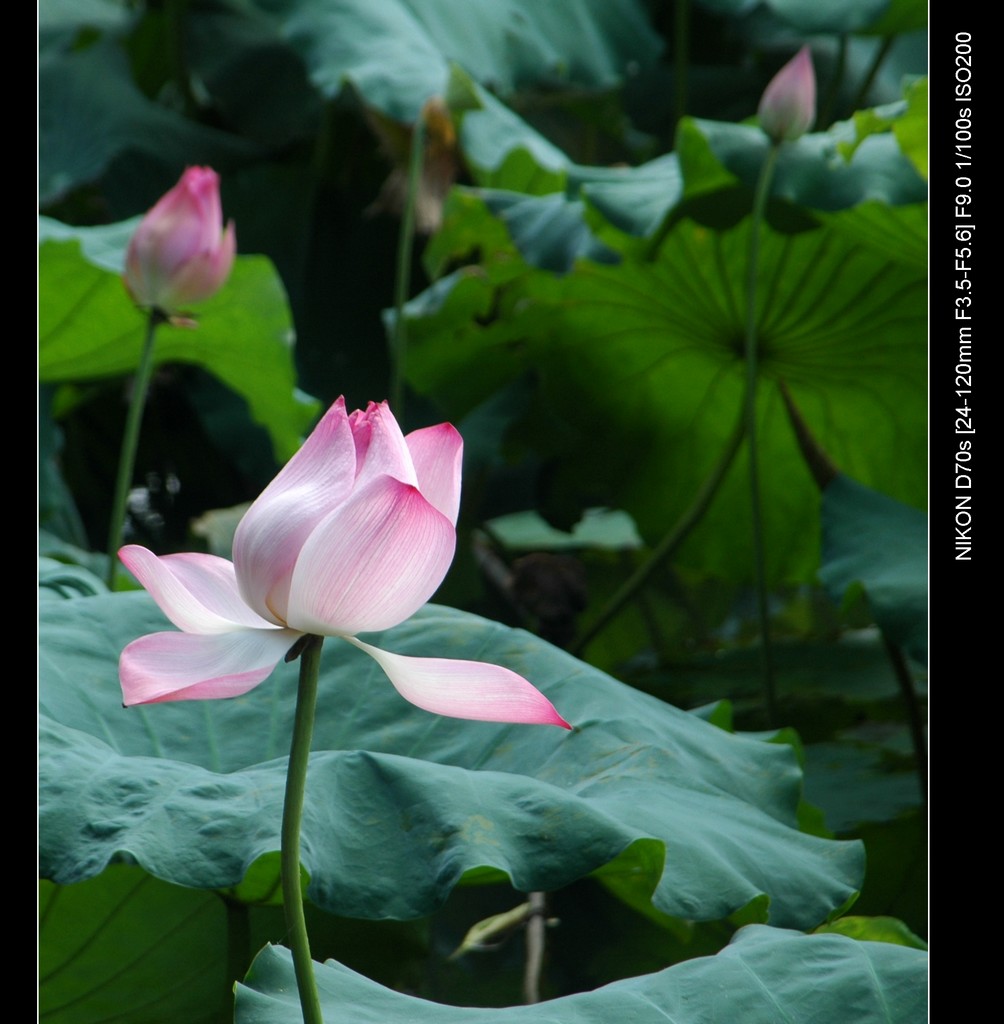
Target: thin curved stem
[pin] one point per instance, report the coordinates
(130, 442)
(681, 56)
(175, 15)
(873, 70)
(749, 415)
(667, 546)
(654, 243)
(826, 116)
(535, 927)
(916, 720)
(402, 281)
(292, 815)
(820, 465)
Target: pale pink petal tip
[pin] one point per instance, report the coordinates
(465, 689)
(438, 455)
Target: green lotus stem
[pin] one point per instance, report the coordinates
(292, 815)
(535, 926)
(873, 70)
(130, 442)
(681, 48)
(825, 117)
(402, 282)
(819, 464)
(905, 680)
(651, 250)
(749, 415)
(669, 543)
(175, 15)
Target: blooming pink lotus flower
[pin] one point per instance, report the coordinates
(788, 105)
(354, 534)
(181, 253)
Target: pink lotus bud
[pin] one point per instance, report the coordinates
(788, 106)
(180, 253)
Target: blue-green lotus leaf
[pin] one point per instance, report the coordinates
(400, 803)
(765, 976)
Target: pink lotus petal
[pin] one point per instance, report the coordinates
(186, 221)
(269, 538)
(197, 592)
(788, 106)
(465, 689)
(184, 666)
(206, 272)
(438, 455)
(375, 560)
(380, 446)
(180, 253)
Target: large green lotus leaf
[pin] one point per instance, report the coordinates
(401, 803)
(811, 17)
(468, 227)
(853, 670)
(61, 21)
(897, 232)
(898, 876)
(766, 975)
(859, 181)
(599, 529)
(500, 148)
(864, 185)
(819, 171)
(549, 231)
(641, 377)
(57, 510)
(908, 123)
(88, 328)
(871, 540)
(911, 129)
(867, 17)
(854, 784)
(259, 87)
(58, 581)
(90, 112)
(637, 199)
(900, 16)
(855, 178)
(729, 8)
(870, 161)
(398, 52)
(128, 947)
(875, 929)
(503, 151)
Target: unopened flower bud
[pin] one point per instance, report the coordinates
(788, 106)
(181, 253)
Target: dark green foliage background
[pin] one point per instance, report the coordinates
(579, 314)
